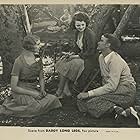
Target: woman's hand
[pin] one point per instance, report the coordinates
(83, 95)
(37, 95)
(66, 55)
(44, 93)
(73, 57)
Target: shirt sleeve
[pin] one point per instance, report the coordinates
(16, 67)
(115, 68)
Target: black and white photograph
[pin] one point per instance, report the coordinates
(70, 65)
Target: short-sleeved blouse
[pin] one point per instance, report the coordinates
(26, 71)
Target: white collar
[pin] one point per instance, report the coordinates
(108, 56)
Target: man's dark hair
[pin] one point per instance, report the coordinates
(114, 41)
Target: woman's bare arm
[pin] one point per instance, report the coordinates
(20, 90)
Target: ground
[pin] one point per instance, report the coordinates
(69, 116)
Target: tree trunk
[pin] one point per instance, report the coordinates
(99, 17)
(28, 26)
(124, 20)
(25, 19)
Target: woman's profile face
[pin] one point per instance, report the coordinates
(37, 47)
(80, 25)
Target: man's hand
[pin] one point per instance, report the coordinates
(83, 95)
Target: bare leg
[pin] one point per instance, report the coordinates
(66, 88)
(61, 85)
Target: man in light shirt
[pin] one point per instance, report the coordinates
(118, 89)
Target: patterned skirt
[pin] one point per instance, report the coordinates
(70, 69)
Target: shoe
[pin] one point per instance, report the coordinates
(128, 112)
(135, 114)
(120, 119)
(118, 111)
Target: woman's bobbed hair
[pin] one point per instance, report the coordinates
(29, 41)
(79, 16)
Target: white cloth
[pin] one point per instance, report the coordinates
(79, 42)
